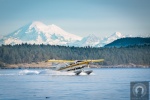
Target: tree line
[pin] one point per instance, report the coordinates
(27, 53)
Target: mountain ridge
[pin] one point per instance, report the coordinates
(39, 33)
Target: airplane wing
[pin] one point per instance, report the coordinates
(97, 60)
(60, 61)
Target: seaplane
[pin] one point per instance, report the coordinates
(76, 66)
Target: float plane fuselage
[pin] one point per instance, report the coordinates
(75, 65)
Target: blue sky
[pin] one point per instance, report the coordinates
(80, 17)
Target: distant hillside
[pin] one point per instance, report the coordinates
(138, 55)
(130, 41)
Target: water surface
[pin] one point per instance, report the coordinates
(44, 84)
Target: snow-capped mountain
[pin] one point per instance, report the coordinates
(109, 39)
(113, 37)
(90, 40)
(94, 41)
(39, 33)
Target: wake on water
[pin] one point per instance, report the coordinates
(29, 72)
(43, 72)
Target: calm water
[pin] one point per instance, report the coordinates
(42, 84)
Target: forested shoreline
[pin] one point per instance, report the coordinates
(26, 53)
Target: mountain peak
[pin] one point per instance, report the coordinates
(90, 40)
(91, 37)
(38, 26)
(55, 27)
(111, 38)
(118, 34)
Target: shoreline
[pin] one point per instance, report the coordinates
(48, 65)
